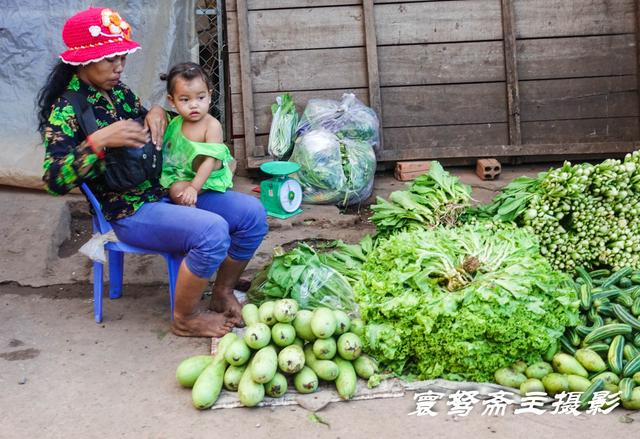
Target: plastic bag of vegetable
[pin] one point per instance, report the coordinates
(283, 127)
(348, 118)
(301, 275)
(333, 170)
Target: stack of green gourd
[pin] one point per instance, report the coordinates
(280, 341)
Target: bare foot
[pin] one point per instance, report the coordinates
(202, 324)
(225, 302)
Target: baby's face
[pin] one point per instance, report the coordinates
(191, 98)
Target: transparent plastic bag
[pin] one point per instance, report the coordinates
(348, 118)
(332, 170)
(94, 247)
(283, 127)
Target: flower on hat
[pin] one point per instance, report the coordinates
(116, 25)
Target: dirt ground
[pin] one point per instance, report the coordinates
(64, 376)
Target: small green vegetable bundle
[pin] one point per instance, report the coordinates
(435, 197)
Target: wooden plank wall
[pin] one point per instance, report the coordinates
(442, 76)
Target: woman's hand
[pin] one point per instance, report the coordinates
(156, 122)
(128, 133)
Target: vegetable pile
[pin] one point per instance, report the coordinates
(460, 303)
(584, 215)
(433, 198)
(600, 354)
(280, 341)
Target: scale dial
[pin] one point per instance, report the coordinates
(290, 195)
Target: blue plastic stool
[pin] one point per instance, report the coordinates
(116, 251)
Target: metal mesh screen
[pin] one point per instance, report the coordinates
(210, 29)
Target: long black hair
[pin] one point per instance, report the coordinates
(56, 84)
(185, 70)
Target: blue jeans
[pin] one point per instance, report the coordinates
(222, 224)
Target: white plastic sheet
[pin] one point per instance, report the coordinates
(30, 41)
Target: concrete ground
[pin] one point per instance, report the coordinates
(62, 375)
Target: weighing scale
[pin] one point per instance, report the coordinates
(281, 195)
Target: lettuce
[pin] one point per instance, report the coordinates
(461, 303)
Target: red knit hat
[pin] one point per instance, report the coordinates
(95, 34)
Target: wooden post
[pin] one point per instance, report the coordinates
(637, 22)
(371, 44)
(511, 70)
(251, 149)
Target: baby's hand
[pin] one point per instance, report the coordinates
(189, 196)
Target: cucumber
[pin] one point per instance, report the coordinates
(232, 377)
(587, 395)
(277, 387)
(250, 393)
(636, 378)
(250, 314)
(636, 340)
(207, 387)
(614, 278)
(283, 334)
(615, 356)
(285, 310)
(566, 345)
(635, 308)
(257, 335)
(602, 294)
(585, 297)
(606, 331)
(325, 348)
(306, 381)
(630, 351)
(632, 367)
(584, 276)
(625, 282)
(625, 300)
(574, 337)
(598, 347)
(590, 360)
(551, 351)
(325, 369)
(599, 273)
(265, 313)
(635, 278)
(302, 325)
(264, 365)
(343, 323)
(626, 388)
(365, 366)
(238, 353)
(291, 359)
(323, 323)
(349, 346)
(190, 369)
(625, 317)
(346, 383)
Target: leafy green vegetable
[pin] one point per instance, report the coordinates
(584, 215)
(301, 275)
(461, 302)
(433, 198)
(283, 126)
